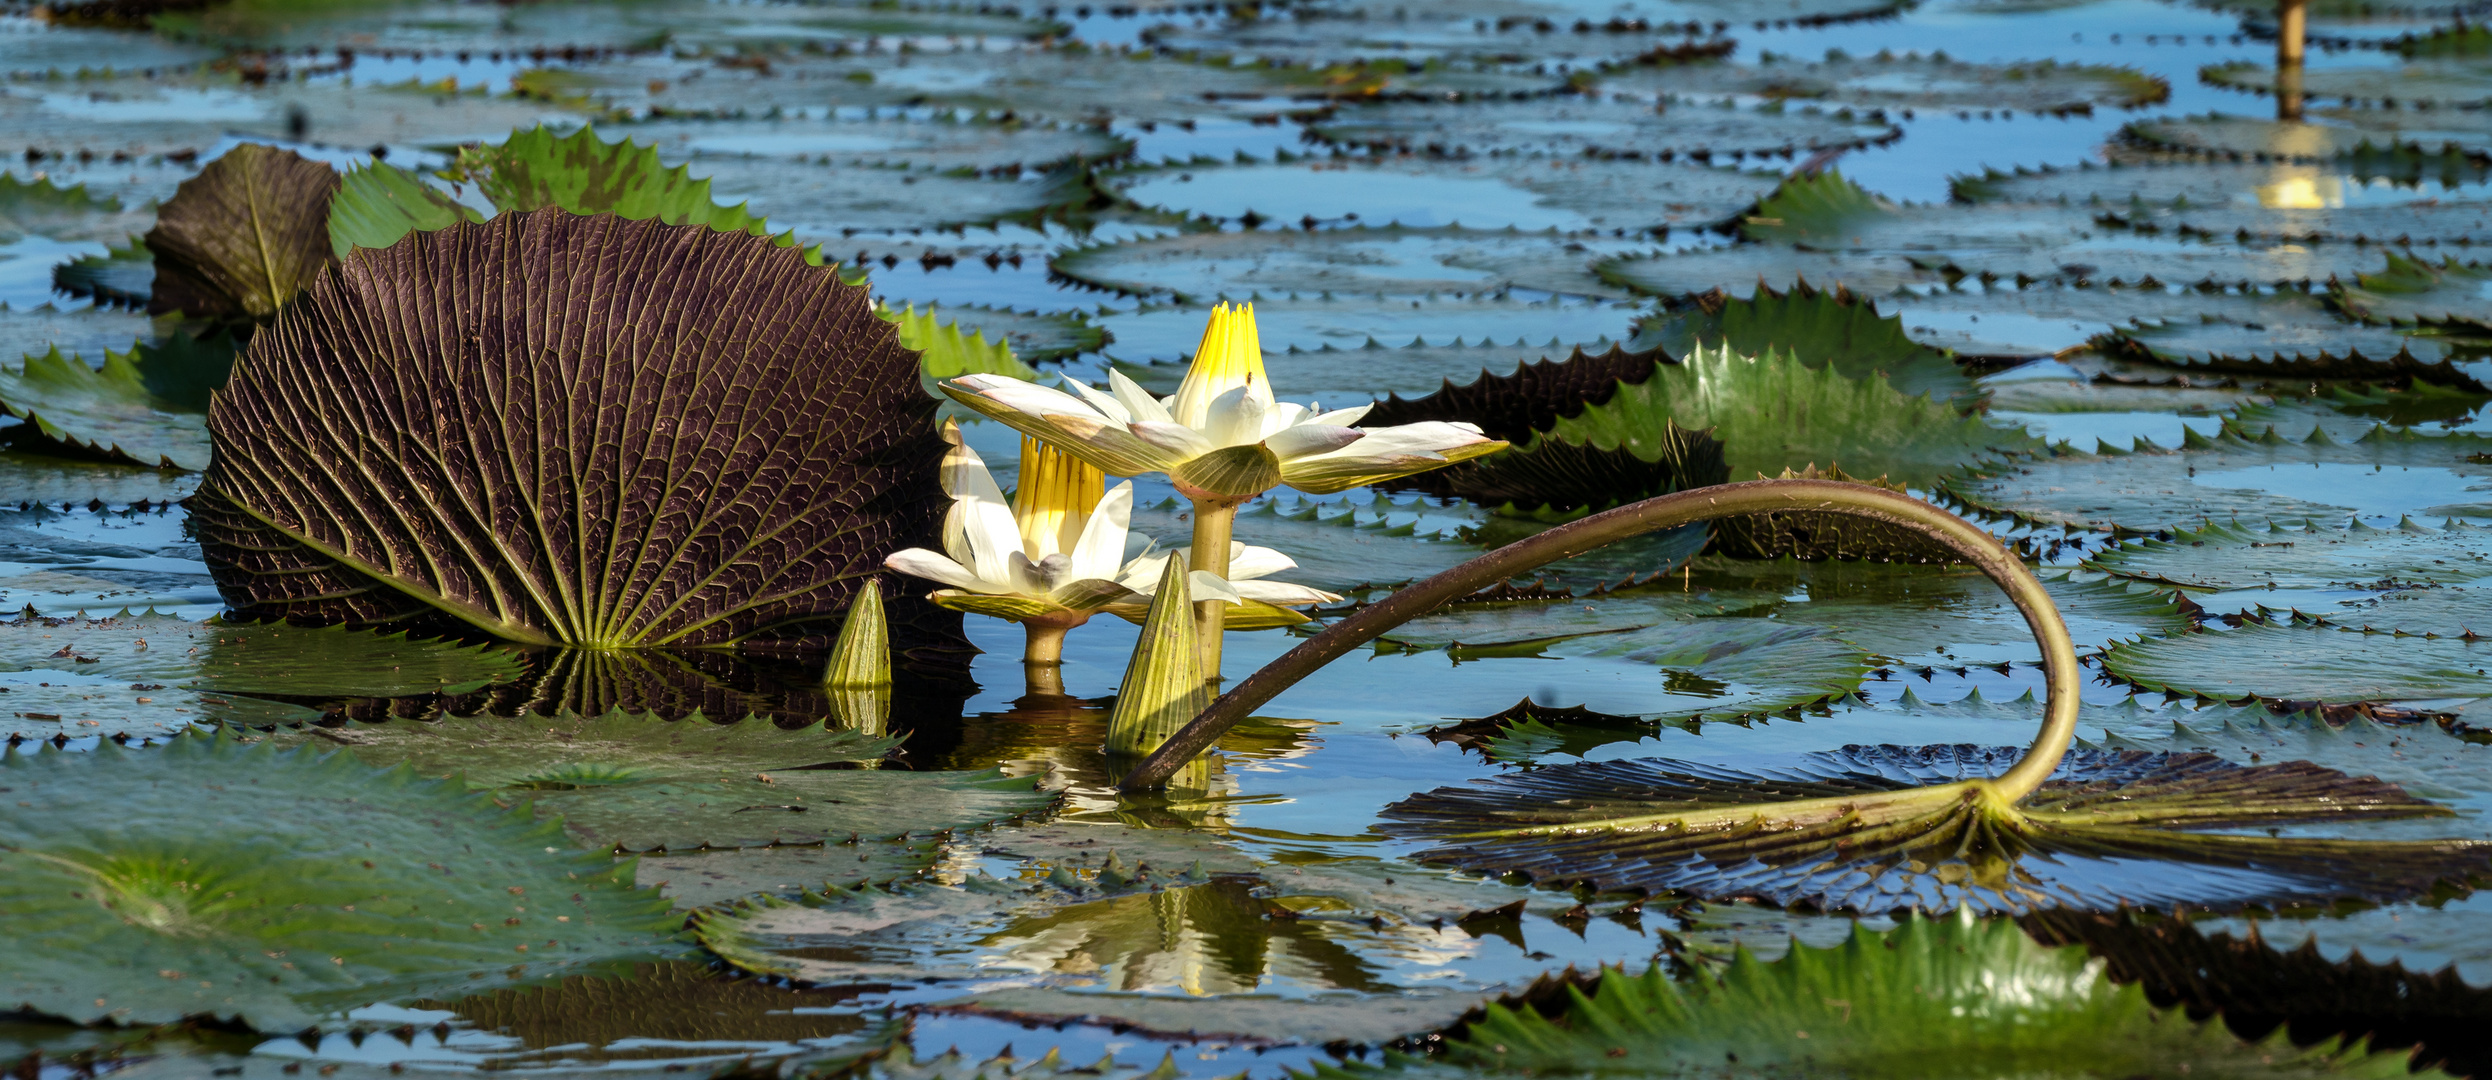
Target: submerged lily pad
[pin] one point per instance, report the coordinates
(1598, 128)
(134, 899)
(1882, 1003)
(147, 406)
(634, 782)
(1390, 259)
(2110, 828)
(2226, 556)
(2301, 663)
(1912, 81)
(2235, 476)
(1578, 193)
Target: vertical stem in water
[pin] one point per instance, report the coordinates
(1042, 660)
(2292, 26)
(1212, 524)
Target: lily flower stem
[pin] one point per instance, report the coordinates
(1983, 551)
(1212, 525)
(1042, 660)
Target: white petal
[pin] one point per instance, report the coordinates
(1425, 437)
(1138, 400)
(1143, 573)
(1207, 586)
(1176, 442)
(1102, 544)
(1343, 417)
(1253, 562)
(1282, 593)
(936, 567)
(1107, 404)
(993, 540)
(965, 474)
(1236, 417)
(1307, 440)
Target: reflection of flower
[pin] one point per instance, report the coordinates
(1054, 555)
(1221, 436)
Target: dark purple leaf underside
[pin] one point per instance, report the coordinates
(237, 241)
(575, 430)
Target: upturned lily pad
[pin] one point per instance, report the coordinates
(2224, 556)
(1339, 375)
(980, 144)
(1823, 328)
(133, 899)
(945, 351)
(2239, 476)
(378, 204)
(239, 240)
(1912, 81)
(1350, 322)
(2109, 828)
(2415, 83)
(2303, 663)
(829, 202)
(2322, 134)
(1580, 193)
(2412, 290)
(1881, 1004)
(147, 406)
(33, 478)
(570, 26)
(634, 782)
(780, 558)
(1598, 128)
(1774, 412)
(585, 174)
(1391, 259)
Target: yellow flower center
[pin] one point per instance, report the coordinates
(1230, 356)
(1058, 491)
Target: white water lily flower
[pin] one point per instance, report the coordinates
(1054, 555)
(1222, 438)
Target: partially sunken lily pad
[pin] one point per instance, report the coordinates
(134, 899)
(1913, 81)
(147, 406)
(2302, 663)
(1598, 128)
(1882, 1003)
(635, 782)
(693, 561)
(2224, 556)
(1392, 260)
(1481, 192)
(2109, 828)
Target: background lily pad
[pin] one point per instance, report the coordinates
(2300, 663)
(1911, 81)
(1391, 259)
(1598, 128)
(147, 405)
(2223, 556)
(1580, 193)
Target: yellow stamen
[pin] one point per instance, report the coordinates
(1058, 491)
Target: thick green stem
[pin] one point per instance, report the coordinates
(1212, 524)
(2059, 657)
(1042, 659)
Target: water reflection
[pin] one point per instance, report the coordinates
(1216, 938)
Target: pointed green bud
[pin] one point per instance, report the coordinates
(1163, 687)
(858, 679)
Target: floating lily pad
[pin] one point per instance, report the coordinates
(2414, 290)
(134, 899)
(697, 879)
(134, 182)
(1742, 269)
(2323, 134)
(149, 117)
(2231, 477)
(683, 1010)
(26, 332)
(1926, 990)
(2109, 828)
(2048, 395)
(2430, 221)
(1338, 549)
(2000, 320)
(1426, 38)
(2219, 556)
(1234, 1018)
(2417, 83)
(2301, 663)
(1712, 669)
(1513, 405)
(2286, 336)
(1912, 82)
(2352, 180)
(1661, 13)
(1598, 128)
(829, 202)
(980, 145)
(1579, 193)
(50, 48)
(1774, 412)
(2423, 758)
(1035, 336)
(32, 478)
(39, 208)
(1828, 328)
(1389, 259)
(1554, 480)
(572, 26)
(638, 783)
(1350, 322)
(147, 406)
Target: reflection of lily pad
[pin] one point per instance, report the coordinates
(2303, 663)
(1598, 128)
(134, 898)
(670, 1010)
(639, 783)
(1913, 82)
(1390, 260)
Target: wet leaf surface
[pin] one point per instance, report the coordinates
(1389, 260)
(1589, 128)
(1913, 81)
(1418, 191)
(2279, 662)
(2313, 556)
(1828, 328)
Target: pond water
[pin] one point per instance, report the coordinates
(1285, 917)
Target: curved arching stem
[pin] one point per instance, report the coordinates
(2059, 656)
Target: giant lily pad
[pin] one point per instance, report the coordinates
(1338, 549)
(2302, 663)
(1913, 81)
(1391, 259)
(572, 25)
(239, 240)
(1881, 1004)
(141, 118)
(639, 783)
(848, 473)
(1513, 405)
(1598, 128)
(828, 202)
(1774, 412)
(1551, 479)
(980, 144)
(2448, 221)
(2412, 290)
(2223, 556)
(1574, 194)
(1828, 328)
(147, 405)
(1742, 269)
(2235, 476)
(1433, 38)
(585, 174)
(132, 897)
(2322, 134)
(2285, 336)
(2110, 827)
(41, 208)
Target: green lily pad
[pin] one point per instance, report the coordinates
(1579, 193)
(2221, 556)
(52, 48)
(133, 182)
(28, 332)
(2449, 221)
(2074, 843)
(1881, 1004)
(1338, 549)
(2236, 476)
(1712, 669)
(147, 406)
(2321, 135)
(1774, 412)
(39, 208)
(2415, 83)
(2304, 663)
(698, 879)
(583, 173)
(634, 782)
(2216, 184)
(2000, 320)
(34, 478)
(1428, 40)
(951, 143)
(573, 25)
(1310, 323)
(378, 204)
(1598, 128)
(2425, 759)
(1554, 480)
(945, 351)
(1742, 269)
(2412, 290)
(2287, 336)
(1826, 212)
(1909, 82)
(142, 117)
(133, 899)
(1390, 259)
(1822, 327)
(1515, 405)
(2448, 612)
(2066, 395)
(827, 202)
(1035, 336)
(123, 276)
(1233, 1018)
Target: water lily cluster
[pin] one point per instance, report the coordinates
(1054, 554)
